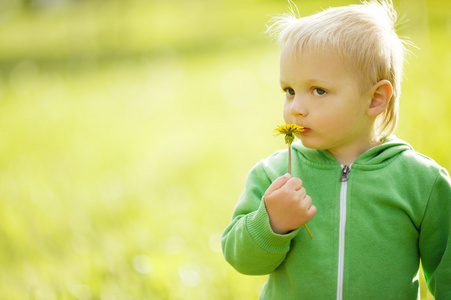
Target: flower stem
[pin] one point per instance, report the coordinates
(308, 231)
(289, 159)
(289, 172)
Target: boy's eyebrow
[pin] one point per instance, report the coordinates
(308, 82)
(283, 83)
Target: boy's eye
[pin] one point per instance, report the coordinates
(289, 91)
(319, 92)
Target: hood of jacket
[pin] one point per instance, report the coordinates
(373, 158)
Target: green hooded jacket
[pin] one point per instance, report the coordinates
(370, 231)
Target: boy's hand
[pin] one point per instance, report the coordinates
(288, 205)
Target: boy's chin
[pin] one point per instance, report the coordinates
(308, 143)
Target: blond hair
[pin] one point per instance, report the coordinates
(362, 34)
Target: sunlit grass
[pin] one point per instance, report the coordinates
(111, 180)
(124, 147)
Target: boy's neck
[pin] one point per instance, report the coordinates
(347, 156)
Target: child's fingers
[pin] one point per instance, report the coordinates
(302, 193)
(307, 201)
(311, 209)
(294, 183)
(277, 184)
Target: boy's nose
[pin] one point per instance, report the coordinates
(298, 108)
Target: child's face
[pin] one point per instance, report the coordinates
(323, 96)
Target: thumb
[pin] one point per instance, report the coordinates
(277, 184)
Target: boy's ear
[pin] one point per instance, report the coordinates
(381, 93)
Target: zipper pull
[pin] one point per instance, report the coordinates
(345, 173)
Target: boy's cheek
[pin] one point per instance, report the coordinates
(287, 116)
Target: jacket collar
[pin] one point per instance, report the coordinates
(374, 157)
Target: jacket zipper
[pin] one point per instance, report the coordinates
(345, 170)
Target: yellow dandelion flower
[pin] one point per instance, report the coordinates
(290, 130)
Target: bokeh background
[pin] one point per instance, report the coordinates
(127, 128)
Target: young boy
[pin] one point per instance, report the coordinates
(374, 206)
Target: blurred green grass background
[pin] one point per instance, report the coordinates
(127, 129)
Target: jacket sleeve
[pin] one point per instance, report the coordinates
(248, 243)
(435, 238)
